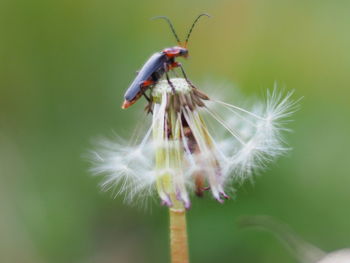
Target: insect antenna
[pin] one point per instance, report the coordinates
(171, 27)
(194, 23)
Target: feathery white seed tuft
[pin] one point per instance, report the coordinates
(179, 154)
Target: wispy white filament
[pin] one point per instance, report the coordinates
(250, 138)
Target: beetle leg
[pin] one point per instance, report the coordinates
(146, 96)
(148, 108)
(185, 75)
(166, 69)
(170, 83)
(146, 83)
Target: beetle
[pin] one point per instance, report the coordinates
(157, 65)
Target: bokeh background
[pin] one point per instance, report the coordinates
(64, 67)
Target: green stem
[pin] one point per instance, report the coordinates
(178, 233)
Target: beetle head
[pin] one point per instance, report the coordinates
(183, 52)
(176, 52)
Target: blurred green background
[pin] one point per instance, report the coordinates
(64, 67)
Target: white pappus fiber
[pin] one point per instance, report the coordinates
(180, 154)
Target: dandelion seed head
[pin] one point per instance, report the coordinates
(180, 154)
(179, 85)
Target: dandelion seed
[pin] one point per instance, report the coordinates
(302, 250)
(180, 154)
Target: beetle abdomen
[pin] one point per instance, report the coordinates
(151, 70)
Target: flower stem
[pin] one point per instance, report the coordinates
(178, 233)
